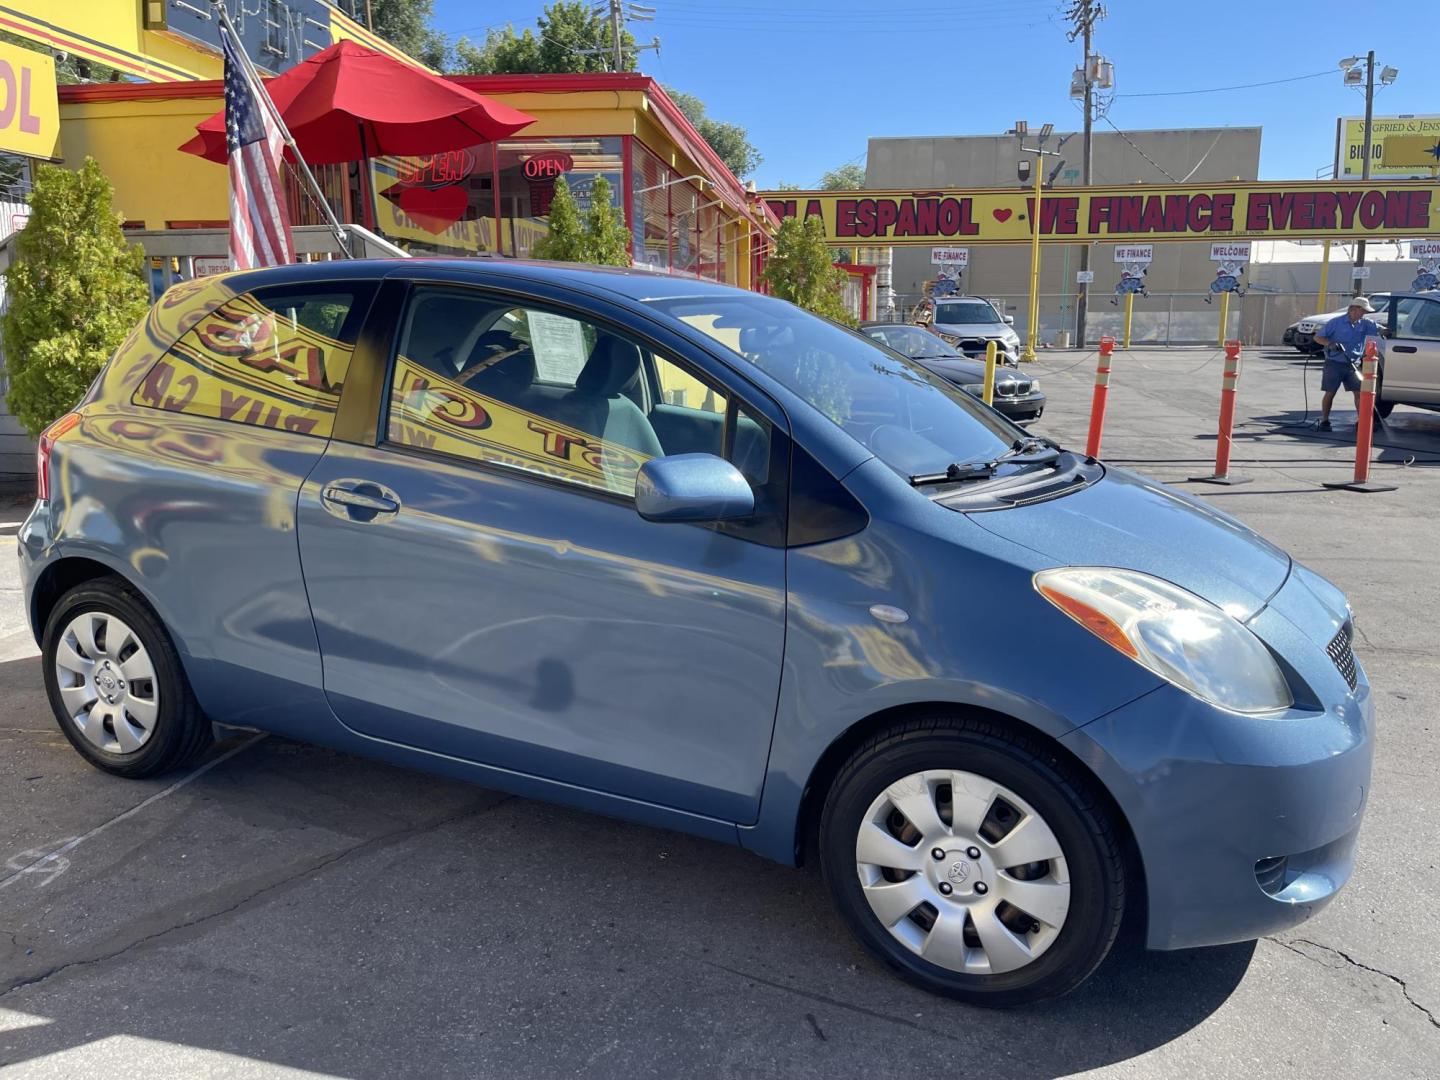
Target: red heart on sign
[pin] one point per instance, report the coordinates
(434, 209)
(1002, 215)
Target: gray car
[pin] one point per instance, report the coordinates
(1410, 367)
(971, 321)
(690, 556)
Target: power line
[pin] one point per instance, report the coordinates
(1137, 149)
(1224, 89)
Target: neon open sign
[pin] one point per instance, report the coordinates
(547, 166)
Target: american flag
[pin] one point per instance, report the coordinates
(259, 225)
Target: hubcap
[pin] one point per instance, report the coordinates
(962, 872)
(107, 682)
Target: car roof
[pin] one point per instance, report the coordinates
(632, 283)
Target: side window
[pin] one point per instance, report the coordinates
(273, 358)
(1426, 323)
(482, 380)
(679, 387)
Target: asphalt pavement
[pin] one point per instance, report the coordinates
(284, 910)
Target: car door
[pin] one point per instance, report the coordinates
(1412, 355)
(483, 587)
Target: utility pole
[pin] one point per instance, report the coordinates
(1356, 287)
(1084, 14)
(617, 20)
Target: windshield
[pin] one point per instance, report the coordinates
(912, 341)
(965, 311)
(913, 421)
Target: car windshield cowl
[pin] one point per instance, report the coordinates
(1031, 451)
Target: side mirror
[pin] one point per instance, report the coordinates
(1009, 320)
(692, 487)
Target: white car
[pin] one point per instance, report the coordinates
(1302, 333)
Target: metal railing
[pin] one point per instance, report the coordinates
(1180, 318)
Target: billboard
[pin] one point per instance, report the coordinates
(29, 109)
(1410, 134)
(1070, 215)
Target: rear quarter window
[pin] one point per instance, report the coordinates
(273, 358)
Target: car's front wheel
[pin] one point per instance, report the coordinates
(974, 860)
(116, 685)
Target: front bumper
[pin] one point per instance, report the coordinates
(1245, 825)
(1026, 408)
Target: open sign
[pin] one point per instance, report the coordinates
(547, 166)
(29, 109)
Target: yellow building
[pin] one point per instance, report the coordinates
(685, 211)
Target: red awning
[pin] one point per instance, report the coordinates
(348, 102)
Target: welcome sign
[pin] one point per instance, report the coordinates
(1290, 211)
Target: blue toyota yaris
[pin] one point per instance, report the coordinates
(689, 556)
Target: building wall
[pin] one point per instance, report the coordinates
(942, 162)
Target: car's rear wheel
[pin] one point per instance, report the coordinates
(974, 860)
(116, 685)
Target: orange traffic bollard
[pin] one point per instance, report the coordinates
(1227, 421)
(1365, 425)
(1102, 392)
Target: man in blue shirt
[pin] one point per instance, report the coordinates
(1344, 340)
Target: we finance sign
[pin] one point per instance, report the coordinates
(1006, 216)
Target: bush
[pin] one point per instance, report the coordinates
(598, 237)
(799, 270)
(76, 289)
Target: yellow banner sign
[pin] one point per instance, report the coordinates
(434, 413)
(1261, 211)
(29, 108)
(1386, 160)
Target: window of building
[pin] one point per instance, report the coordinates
(650, 219)
(527, 171)
(272, 358)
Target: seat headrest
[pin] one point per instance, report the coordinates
(613, 365)
(505, 377)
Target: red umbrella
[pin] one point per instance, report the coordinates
(348, 102)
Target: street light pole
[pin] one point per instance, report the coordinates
(1355, 286)
(1082, 301)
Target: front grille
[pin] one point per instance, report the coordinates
(1006, 388)
(1342, 652)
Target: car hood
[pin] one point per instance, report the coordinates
(1127, 521)
(956, 370)
(997, 330)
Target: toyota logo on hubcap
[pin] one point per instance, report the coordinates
(959, 872)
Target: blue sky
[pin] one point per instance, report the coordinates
(812, 80)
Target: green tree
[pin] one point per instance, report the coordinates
(844, 178)
(730, 141)
(76, 289)
(598, 236)
(799, 270)
(572, 38)
(407, 25)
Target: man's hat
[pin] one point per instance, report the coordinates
(1362, 302)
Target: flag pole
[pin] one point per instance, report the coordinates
(257, 87)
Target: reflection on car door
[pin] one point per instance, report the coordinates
(1412, 356)
(484, 588)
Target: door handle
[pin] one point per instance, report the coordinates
(359, 500)
(1403, 348)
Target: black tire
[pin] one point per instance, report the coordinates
(181, 732)
(1383, 409)
(1056, 789)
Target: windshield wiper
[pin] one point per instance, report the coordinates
(1022, 452)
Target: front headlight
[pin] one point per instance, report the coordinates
(1177, 635)
(1034, 386)
(976, 388)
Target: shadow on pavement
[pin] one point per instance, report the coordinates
(295, 906)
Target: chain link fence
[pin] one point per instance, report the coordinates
(1189, 318)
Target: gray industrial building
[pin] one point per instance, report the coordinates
(1199, 155)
